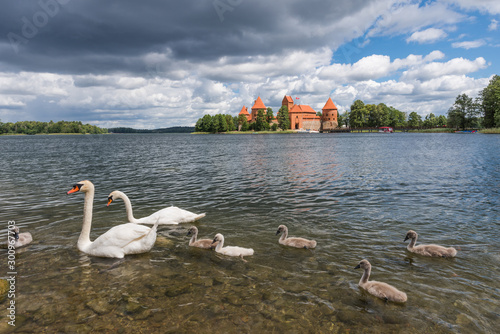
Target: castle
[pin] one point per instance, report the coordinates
(301, 116)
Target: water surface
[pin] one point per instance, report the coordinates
(356, 194)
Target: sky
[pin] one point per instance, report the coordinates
(154, 64)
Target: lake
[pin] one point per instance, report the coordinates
(355, 194)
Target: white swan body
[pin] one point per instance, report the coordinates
(202, 243)
(119, 240)
(428, 250)
(168, 216)
(230, 250)
(379, 289)
(294, 242)
(22, 239)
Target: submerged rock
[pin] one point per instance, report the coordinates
(163, 242)
(99, 306)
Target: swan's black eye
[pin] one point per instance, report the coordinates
(77, 186)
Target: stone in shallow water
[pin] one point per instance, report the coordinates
(133, 307)
(463, 319)
(177, 290)
(163, 242)
(99, 306)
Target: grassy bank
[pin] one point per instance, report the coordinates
(490, 131)
(436, 130)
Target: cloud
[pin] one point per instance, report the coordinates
(409, 17)
(456, 66)
(167, 63)
(487, 6)
(430, 35)
(469, 44)
(493, 25)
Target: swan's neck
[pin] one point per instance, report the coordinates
(412, 243)
(284, 235)
(128, 207)
(366, 276)
(219, 245)
(193, 239)
(84, 238)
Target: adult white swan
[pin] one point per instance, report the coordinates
(119, 240)
(171, 215)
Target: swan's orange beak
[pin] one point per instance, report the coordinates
(110, 199)
(75, 189)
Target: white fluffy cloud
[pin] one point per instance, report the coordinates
(488, 6)
(409, 17)
(469, 44)
(430, 35)
(422, 83)
(147, 79)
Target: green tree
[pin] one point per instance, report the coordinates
(230, 123)
(396, 118)
(242, 123)
(344, 119)
(490, 102)
(261, 122)
(283, 118)
(414, 120)
(205, 124)
(430, 121)
(463, 113)
(358, 117)
(441, 121)
(219, 124)
(497, 119)
(274, 127)
(269, 115)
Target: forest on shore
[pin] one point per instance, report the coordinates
(36, 127)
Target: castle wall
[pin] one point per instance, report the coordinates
(311, 124)
(329, 125)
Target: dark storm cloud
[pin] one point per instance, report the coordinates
(71, 36)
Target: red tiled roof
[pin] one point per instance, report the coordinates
(259, 104)
(244, 111)
(329, 104)
(288, 98)
(302, 108)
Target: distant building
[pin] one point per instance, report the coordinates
(329, 116)
(258, 105)
(301, 116)
(244, 112)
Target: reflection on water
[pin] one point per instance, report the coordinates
(355, 194)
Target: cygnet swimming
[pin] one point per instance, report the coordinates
(379, 289)
(428, 250)
(294, 242)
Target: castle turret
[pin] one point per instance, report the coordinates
(258, 105)
(244, 112)
(329, 117)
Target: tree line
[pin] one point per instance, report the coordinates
(226, 122)
(35, 127)
(481, 112)
(466, 112)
